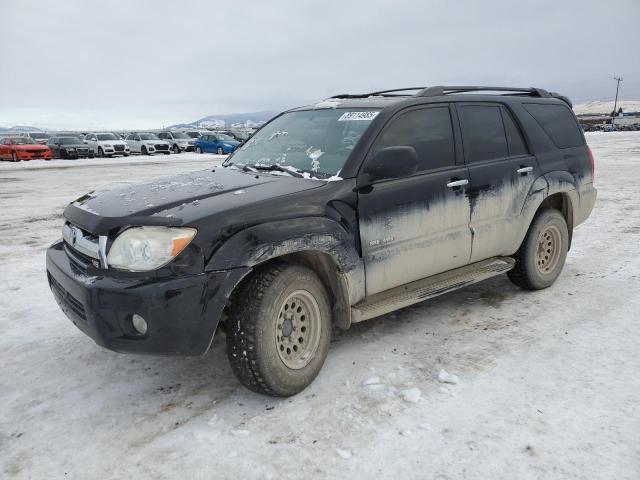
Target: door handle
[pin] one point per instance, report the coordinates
(457, 183)
(524, 170)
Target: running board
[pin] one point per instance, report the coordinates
(414, 292)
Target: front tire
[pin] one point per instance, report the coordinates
(100, 152)
(543, 252)
(198, 150)
(279, 329)
(144, 151)
(14, 156)
(176, 149)
(220, 151)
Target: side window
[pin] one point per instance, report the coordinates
(428, 131)
(558, 123)
(163, 135)
(482, 133)
(514, 136)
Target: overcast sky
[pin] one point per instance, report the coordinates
(128, 64)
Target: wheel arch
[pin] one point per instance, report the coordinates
(319, 243)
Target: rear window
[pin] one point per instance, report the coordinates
(514, 137)
(558, 123)
(483, 133)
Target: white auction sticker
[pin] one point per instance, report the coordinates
(353, 116)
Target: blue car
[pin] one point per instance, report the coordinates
(219, 143)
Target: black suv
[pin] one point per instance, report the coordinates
(69, 147)
(333, 213)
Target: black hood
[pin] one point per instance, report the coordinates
(180, 200)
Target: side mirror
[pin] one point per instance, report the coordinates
(392, 162)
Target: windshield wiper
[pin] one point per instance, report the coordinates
(274, 167)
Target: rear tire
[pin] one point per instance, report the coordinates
(198, 150)
(543, 252)
(279, 329)
(14, 157)
(220, 151)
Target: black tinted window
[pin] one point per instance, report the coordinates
(558, 122)
(482, 133)
(514, 136)
(427, 130)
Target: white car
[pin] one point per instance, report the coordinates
(107, 144)
(147, 144)
(179, 141)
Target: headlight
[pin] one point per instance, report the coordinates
(69, 149)
(140, 249)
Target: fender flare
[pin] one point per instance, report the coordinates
(559, 181)
(258, 244)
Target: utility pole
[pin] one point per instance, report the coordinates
(615, 103)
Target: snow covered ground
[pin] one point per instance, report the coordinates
(490, 382)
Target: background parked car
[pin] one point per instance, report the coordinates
(69, 147)
(38, 137)
(194, 133)
(107, 144)
(179, 141)
(22, 148)
(147, 144)
(219, 143)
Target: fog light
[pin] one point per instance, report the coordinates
(139, 324)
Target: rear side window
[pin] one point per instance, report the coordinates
(428, 131)
(483, 133)
(558, 123)
(514, 136)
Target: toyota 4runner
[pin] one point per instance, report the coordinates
(330, 214)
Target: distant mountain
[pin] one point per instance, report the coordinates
(598, 107)
(253, 119)
(4, 128)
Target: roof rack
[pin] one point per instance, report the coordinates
(451, 90)
(447, 90)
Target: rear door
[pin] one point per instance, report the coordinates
(416, 226)
(502, 173)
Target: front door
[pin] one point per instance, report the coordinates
(502, 173)
(416, 226)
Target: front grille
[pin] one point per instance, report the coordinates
(162, 147)
(66, 299)
(118, 148)
(82, 151)
(82, 247)
(35, 152)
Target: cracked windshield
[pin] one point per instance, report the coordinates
(309, 143)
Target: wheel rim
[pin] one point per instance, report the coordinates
(298, 329)
(548, 249)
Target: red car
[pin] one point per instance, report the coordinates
(22, 148)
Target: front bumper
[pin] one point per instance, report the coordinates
(112, 151)
(44, 155)
(182, 313)
(76, 154)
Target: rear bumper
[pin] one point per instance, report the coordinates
(587, 195)
(182, 313)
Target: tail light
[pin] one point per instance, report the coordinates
(592, 163)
